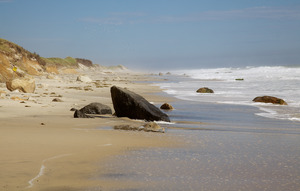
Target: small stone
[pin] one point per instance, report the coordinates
(153, 127)
(57, 100)
(166, 106)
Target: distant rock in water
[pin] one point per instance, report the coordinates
(26, 85)
(270, 99)
(205, 90)
(92, 108)
(131, 105)
(166, 106)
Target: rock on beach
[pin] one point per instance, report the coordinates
(131, 105)
(83, 78)
(166, 106)
(25, 85)
(92, 108)
(96, 108)
(270, 99)
(205, 90)
(148, 127)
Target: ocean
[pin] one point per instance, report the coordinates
(229, 142)
(240, 86)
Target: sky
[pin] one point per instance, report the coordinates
(158, 34)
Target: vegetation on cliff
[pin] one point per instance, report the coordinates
(61, 62)
(15, 61)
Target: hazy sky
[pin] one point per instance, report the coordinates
(158, 33)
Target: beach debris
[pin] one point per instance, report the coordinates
(42, 123)
(103, 85)
(53, 77)
(270, 99)
(131, 105)
(57, 100)
(148, 127)
(239, 79)
(205, 90)
(42, 85)
(26, 85)
(88, 88)
(166, 106)
(92, 108)
(15, 98)
(75, 88)
(83, 78)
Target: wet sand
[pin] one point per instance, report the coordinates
(209, 147)
(44, 148)
(231, 149)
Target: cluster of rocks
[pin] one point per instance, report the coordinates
(128, 104)
(264, 99)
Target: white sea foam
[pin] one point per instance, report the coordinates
(43, 167)
(279, 81)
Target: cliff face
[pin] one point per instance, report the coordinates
(16, 61)
(85, 62)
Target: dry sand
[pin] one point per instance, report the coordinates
(44, 148)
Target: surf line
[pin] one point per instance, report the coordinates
(43, 167)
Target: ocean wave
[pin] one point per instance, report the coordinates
(277, 81)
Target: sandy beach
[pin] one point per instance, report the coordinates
(208, 146)
(44, 148)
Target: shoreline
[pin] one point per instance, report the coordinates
(43, 147)
(209, 147)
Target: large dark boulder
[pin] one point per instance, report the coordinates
(131, 105)
(92, 108)
(270, 99)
